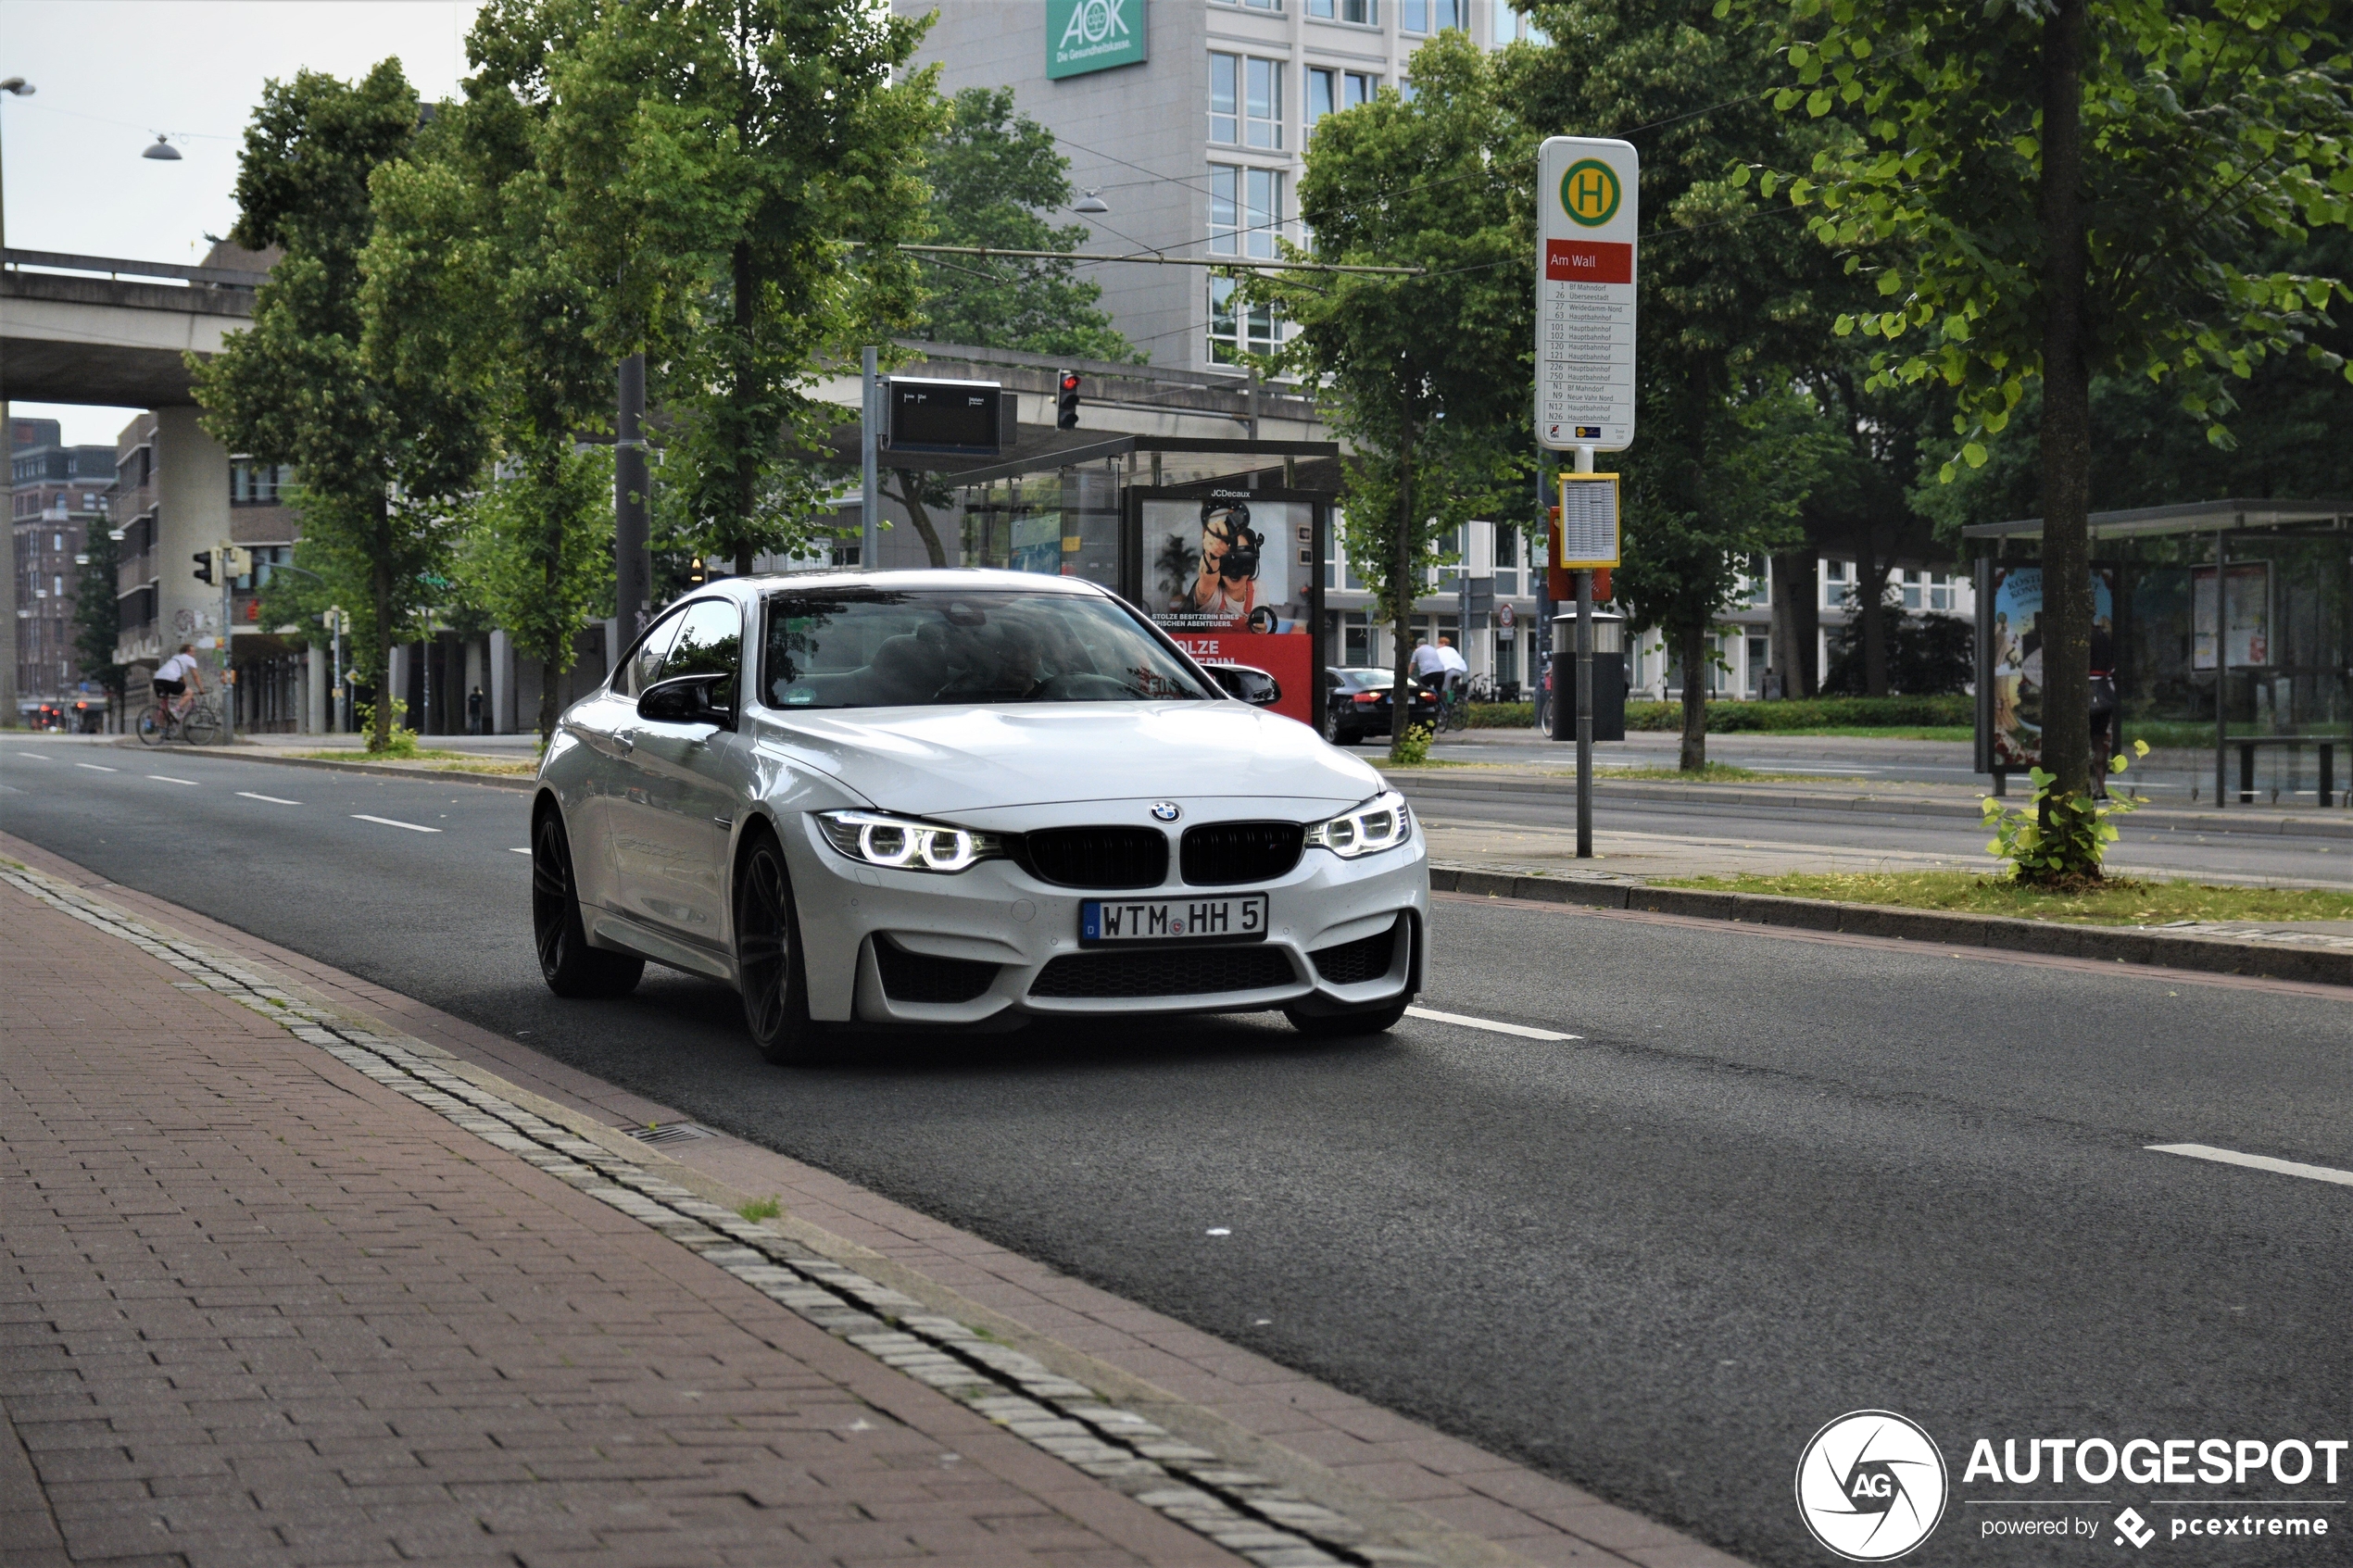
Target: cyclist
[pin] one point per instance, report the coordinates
(1454, 682)
(171, 680)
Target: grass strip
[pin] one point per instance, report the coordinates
(2121, 901)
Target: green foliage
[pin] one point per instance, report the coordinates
(1426, 377)
(742, 173)
(2202, 131)
(394, 741)
(1808, 715)
(2060, 837)
(98, 614)
(994, 175)
(538, 558)
(1925, 654)
(758, 1209)
(1731, 435)
(382, 440)
(1412, 749)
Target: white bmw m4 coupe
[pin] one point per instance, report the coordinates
(961, 798)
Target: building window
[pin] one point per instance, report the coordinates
(1235, 331)
(1513, 26)
(1257, 4)
(1940, 593)
(257, 485)
(1262, 104)
(1245, 210)
(1506, 559)
(1834, 584)
(1224, 98)
(1364, 11)
(1432, 16)
(1246, 101)
(1358, 87)
(1323, 92)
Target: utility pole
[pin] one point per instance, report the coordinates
(1584, 693)
(869, 434)
(224, 561)
(632, 557)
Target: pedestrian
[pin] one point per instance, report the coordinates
(474, 711)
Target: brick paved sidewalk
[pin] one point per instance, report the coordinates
(258, 1309)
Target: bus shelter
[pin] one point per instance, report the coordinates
(1222, 542)
(2224, 624)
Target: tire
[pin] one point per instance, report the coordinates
(201, 727)
(1341, 1025)
(772, 968)
(567, 962)
(151, 727)
(1347, 737)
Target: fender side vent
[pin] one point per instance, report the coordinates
(920, 977)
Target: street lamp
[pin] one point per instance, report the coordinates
(162, 149)
(18, 87)
(1092, 203)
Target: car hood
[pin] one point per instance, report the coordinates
(933, 760)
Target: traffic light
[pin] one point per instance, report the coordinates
(696, 574)
(204, 566)
(1066, 411)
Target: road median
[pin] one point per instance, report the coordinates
(2269, 959)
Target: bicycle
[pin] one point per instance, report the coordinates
(199, 726)
(1453, 706)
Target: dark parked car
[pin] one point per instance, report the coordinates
(1357, 704)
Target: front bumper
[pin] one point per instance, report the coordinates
(997, 914)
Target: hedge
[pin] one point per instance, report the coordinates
(1813, 713)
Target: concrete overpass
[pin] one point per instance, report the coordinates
(93, 329)
(102, 329)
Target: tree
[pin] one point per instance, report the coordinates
(97, 616)
(1730, 314)
(1427, 377)
(467, 232)
(2048, 191)
(994, 176)
(742, 173)
(383, 445)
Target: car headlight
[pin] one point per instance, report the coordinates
(1383, 822)
(904, 844)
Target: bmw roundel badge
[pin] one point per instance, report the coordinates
(1166, 811)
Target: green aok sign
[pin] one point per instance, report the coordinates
(1589, 193)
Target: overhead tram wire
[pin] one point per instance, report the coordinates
(1240, 263)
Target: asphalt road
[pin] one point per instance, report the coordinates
(1777, 1179)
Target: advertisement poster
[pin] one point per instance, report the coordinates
(2017, 656)
(2249, 642)
(1219, 578)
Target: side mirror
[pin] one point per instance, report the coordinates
(1252, 685)
(687, 699)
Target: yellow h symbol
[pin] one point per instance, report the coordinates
(1592, 192)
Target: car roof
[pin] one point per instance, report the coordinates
(950, 579)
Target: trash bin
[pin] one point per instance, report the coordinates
(1609, 676)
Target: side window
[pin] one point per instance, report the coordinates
(710, 638)
(640, 670)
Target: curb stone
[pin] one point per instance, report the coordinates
(2137, 945)
(373, 769)
(1244, 1492)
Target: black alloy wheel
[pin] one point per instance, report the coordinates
(567, 962)
(769, 965)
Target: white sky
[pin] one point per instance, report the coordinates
(111, 73)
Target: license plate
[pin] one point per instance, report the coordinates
(1239, 918)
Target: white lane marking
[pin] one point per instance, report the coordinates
(95, 769)
(1520, 1029)
(2254, 1162)
(412, 827)
(274, 800)
(518, 851)
(42, 754)
(167, 778)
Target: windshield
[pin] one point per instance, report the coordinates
(868, 646)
